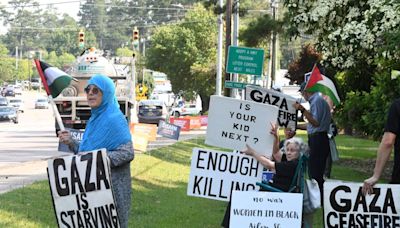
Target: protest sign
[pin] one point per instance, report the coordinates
(233, 123)
(168, 130)
(81, 189)
(144, 130)
(266, 209)
(346, 206)
(181, 122)
(76, 134)
(140, 142)
(287, 115)
(214, 174)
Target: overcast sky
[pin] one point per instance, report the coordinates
(71, 7)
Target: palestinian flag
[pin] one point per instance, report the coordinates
(318, 82)
(54, 80)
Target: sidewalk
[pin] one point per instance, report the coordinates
(15, 176)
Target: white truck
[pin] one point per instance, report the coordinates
(72, 104)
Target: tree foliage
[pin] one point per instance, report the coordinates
(186, 53)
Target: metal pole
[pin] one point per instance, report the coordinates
(274, 5)
(235, 41)
(228, 40)
(16, 57)
(218, 85)
(134, 118)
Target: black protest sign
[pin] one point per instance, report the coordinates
(76, 134)
(287, 115)
(81, 189)
(233, 123)
(168, 130)
(214, 174)
(346, 206)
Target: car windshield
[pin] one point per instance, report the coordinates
(6, 109)
(41, 100)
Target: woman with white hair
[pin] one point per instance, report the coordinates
(284, 164)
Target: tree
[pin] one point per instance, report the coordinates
(186, 53)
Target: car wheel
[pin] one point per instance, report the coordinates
(15, 121)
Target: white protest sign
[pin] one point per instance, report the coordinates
(214, 174)
(266, 209)
(287, 115)
(81, 190)
(346, 206)
(233, 123)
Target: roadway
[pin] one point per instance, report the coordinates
(25, 147)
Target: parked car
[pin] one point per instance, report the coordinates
(35, 83)
(17, 90)
(9, 92)
(41, 103)
(17, 103)
(3, 101)
(152, 111)
(186, 109)
(8, 113)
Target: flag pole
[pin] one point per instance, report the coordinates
(52, 104)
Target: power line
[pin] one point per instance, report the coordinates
(107, 5)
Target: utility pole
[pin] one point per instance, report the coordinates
(235, 39)
(218, 86)
(16, 57)
(228, 40)
(274, 6)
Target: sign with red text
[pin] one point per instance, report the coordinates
(287, 115)
(346, 206)
(233, 123)
(266, 209)
(214, 174)
(82, 191)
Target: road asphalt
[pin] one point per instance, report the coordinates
(19, 175)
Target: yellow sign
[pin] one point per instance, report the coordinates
(141, 89)
(141, 97)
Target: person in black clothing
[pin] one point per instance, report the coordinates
(284, 164)
(389, 140)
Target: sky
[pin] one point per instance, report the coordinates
(71, 7)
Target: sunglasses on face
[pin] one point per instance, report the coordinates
(94, 90)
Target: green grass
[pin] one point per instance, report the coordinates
(159, 190)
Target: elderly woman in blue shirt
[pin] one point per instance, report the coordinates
(108, 128)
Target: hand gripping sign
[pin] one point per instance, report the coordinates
(233, 123)
(81, 189)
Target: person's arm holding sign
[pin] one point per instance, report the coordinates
(276, 152)
(383, 155)
(389, 140)
(308, 116)
(266, 162)
(66, 138)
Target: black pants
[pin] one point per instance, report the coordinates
(319, 151)
(227, 216)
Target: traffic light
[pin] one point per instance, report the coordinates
(135, 35)
(81, 39)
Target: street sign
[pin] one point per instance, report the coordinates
(243, 60)
(235, 85)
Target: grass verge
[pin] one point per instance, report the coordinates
(159, 189)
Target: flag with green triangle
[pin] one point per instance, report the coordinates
(320, 83)
(54, 80)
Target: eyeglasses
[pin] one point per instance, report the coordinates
(94, 90)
